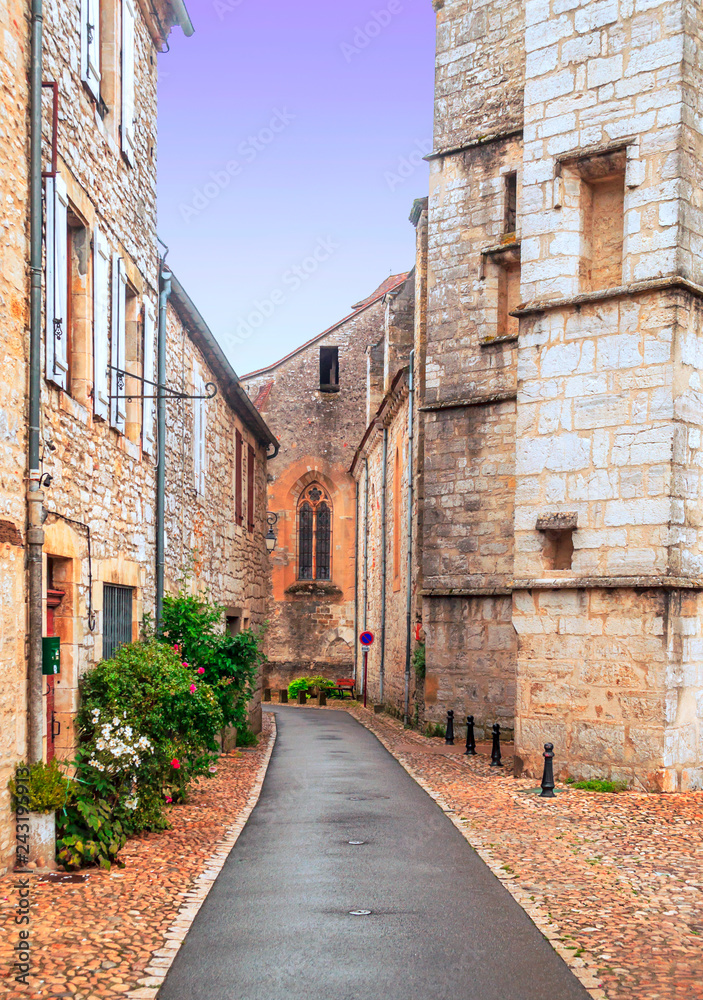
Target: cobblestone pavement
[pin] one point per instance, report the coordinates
(614, 881)
(114, 934)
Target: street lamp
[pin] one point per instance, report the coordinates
(270, 537)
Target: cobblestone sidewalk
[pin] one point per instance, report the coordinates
(614, 881)
(114, 934)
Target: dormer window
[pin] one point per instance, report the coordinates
(329, 369)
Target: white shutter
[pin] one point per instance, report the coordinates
(90, 46)
(101, 328)
(148, 433)
(128, 43)
(117, 359)
(56, 281)
(199, 433)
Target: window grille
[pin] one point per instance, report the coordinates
(117, 618)
(322, 541)
(305, 542)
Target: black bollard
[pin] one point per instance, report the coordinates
(302, 697)
(495, 752)
(283, 697)
(267, 694)
(470, 740)
(449, 735)
(322, 699)
(548, 776)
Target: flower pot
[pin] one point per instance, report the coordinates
(42, 840)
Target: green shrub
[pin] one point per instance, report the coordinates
(300, 684)
(322, 683)
(598, 785)
(419, 661)
(49, 787)
(89, 833)
(246, 738)
(195, 627)
(435, 729)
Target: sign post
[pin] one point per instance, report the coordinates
(366, 639)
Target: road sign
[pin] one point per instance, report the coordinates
(366, 638)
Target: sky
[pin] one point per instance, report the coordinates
(291, 138)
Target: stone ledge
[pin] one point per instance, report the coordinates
(480, 140)
(612, 582)
(468, 592)
(480, 399)
(606, 294)
(314, 588)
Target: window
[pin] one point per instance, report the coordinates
(77, 313)
(314, 534)
(238, 472)
(90, 46)
(117, 618)
(510, 221)
(602, 215)
(251, 468)
(329, 369)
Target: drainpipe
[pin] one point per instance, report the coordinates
(411, 496)
(384, 477)
(164, 293)
(35, 496)
(356, 586)
(366, 545)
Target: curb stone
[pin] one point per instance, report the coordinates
(162, 958)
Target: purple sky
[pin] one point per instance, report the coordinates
(275, 239)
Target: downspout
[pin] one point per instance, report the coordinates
(165, 291)
(366, 545)
(356, 586)
(411, 497)
(35, 496)
(384, 561)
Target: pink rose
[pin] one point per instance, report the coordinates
(169, 799)
(201, 670)
(192, 688)
(176, 648)
(175, 763)
(184, 664)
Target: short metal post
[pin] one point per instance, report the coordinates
(449, 735)
(548, 776)
(470, 739)
(283, 696)
(366, 672)
(495, 752)
(302, 697)
(322, 699)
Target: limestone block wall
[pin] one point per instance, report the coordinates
(312, 622)
(14, 44)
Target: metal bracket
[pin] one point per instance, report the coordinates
(211, 388)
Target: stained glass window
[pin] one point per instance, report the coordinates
(314, 535)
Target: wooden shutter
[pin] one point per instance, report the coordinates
(117, 352)
(56, 281)
(101, 328)
(128, 54)
(251, 459)
(148, 432)
(238, 479)
(90, 46)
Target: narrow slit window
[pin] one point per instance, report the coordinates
(510, 222)
(329, 369)
(305, 521)
(322, 542)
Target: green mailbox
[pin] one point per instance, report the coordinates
(51, 655)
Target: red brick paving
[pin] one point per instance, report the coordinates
(615, 881)
(94, 940)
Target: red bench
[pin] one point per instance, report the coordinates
(346, 684)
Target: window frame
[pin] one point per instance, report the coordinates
(317, 546)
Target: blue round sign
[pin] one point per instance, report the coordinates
(366, 638)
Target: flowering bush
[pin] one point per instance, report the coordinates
(195, 628)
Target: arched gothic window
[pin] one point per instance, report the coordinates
(314, 534)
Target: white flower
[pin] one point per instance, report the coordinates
(128, 732)
(132, 803)
(115, 722)
(100, 743)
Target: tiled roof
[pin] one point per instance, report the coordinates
(262, 395)
(389, 285)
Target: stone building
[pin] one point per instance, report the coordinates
(387, 467)
(101, 284)
(562, 513)
(315, 401)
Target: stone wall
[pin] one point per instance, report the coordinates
(14, 52)
(313, 622)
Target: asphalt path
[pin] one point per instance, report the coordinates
(279, 924)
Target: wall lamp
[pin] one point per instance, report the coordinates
(270, 537)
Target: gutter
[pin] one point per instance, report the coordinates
(411, 501)
(384, 562)
(182, 17)
(217, 360)
(165, 279)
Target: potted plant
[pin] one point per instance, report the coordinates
(42, 789)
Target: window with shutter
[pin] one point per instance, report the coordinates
(101, 328)
(117, 352)
(118, 613)
(148, 433)
(238, 471)
(90, 46)
(128, 54)
(56, 281)
(251, 459)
